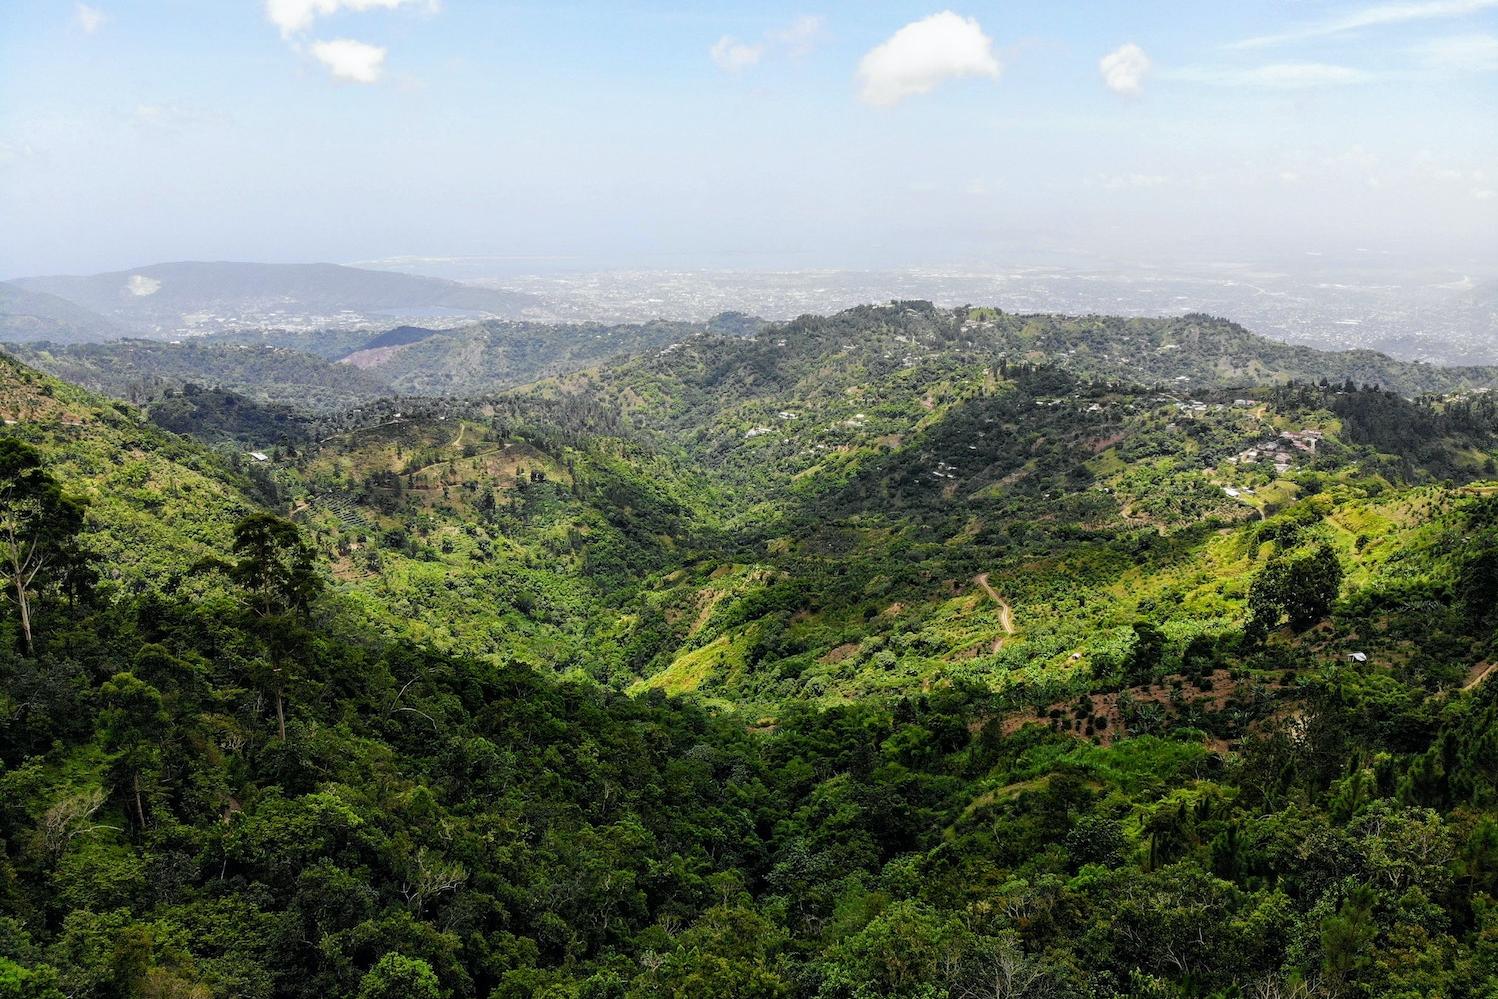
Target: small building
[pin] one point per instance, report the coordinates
(260, 456)
(1357, 657)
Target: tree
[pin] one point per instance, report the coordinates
(1001, 970)
(20, 982)
(1146, 655)
(275, 566)
(133, 725)
(278, 572)
(905, 951)
(1477, 579)
(396, 976)
(1300, 585)
(38, 525)
(1347, 936)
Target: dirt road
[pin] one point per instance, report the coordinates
(1006, 612)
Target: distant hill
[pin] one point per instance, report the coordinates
(495, 355)
(837, 357)
(140, 370)
(399, 337)
(33, 315)
(166, 296)
(1202, 351)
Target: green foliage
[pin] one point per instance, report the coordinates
(396, 976)
(992, 731)
(1299, 585)
(38, 531)
(274, 566)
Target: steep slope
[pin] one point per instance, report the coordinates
(872, 464)
(157, 503)
(493, 537)
(1203, 351)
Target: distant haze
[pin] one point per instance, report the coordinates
(764, 136)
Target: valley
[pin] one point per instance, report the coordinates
(724, 663)
(896, 590)
(748, 501)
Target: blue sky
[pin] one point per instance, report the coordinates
(744, 135)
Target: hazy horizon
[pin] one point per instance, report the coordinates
(766, 137)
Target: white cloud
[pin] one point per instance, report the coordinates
(1463, 53)
(918, 57)
(296, 16)
(801, 35)
(169, 117)
(346, 59)
(1132, 181)
(1485, 194)
(1276, 76)
(733, 56)
(797, 39)
(14, 152)
(89, 19)
(152, 115)
(1124, 69)
(1371, 17)
(140, 286)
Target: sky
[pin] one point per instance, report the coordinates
(764, 135)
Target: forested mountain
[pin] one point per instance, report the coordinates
(34, 315)
(1190, 352)
(273, 365)
(490, 356)
(902, 653)
(139, 370)
(169, 295)
(323, 370)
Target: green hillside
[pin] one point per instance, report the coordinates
(491, 356)
(887, 654)
(140, 370)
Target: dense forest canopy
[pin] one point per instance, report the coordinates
(907, 652)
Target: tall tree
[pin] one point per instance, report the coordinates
(278, 572)
(133, 724)
(275, 566)
(38, 526)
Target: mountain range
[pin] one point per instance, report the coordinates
(196, 295)
(906, 652)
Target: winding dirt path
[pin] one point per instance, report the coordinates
(1006, 612)
(1482, 674)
